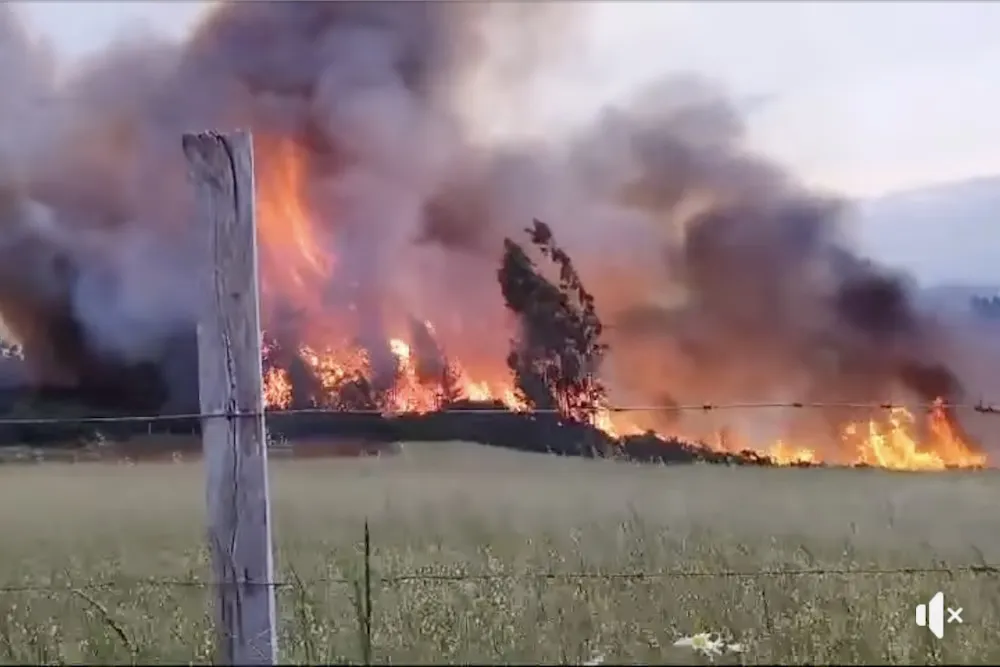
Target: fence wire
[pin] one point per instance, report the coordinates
(980, 407)
(561, 577)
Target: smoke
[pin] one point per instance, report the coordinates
(721, 278)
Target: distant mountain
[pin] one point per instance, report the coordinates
(943, 234)
(955, 299)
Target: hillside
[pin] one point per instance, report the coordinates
(944, 235)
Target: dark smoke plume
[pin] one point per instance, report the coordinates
(720, 277)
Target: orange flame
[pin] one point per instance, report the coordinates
(893, 444)
(292, 256)
(296, 264)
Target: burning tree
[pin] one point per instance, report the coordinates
(556, 356)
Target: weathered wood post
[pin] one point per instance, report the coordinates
(229, 353)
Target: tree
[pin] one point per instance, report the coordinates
(986, 307)
(557, 354)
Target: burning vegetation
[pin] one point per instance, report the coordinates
(555, 362)
(712, 276)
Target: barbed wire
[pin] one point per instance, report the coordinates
(565, 577)
(981, 408)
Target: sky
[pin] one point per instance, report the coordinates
(862, 98)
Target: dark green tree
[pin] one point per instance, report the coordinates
(557, 353)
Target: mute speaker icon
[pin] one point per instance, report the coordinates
(931, 615)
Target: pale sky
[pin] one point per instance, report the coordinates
(860, 97)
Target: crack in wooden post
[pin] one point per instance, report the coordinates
(230, 383)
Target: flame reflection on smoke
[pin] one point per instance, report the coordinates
(298, 264)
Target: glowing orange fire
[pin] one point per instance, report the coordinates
(296, 264)
(892, 443)
(409, 393)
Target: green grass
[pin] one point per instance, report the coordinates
(84, 543)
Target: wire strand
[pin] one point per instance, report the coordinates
(566, 577)
(982, 408)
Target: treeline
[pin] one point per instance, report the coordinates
(555, 359)
(986, 307)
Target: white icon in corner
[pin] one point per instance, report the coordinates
(931, 615)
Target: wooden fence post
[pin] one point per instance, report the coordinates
(229, 360)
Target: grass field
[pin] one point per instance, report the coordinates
(81, 543)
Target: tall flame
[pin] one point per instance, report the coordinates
(297, 263)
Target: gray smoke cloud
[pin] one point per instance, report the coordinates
(721, 278)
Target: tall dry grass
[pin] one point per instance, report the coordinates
(83, 543)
